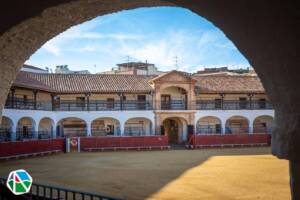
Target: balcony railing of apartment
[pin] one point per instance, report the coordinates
(104, 105)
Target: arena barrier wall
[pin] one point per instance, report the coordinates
(107, 142)
(229, 140)
(31, 147)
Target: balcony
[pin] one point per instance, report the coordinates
(233, 105)
(104, 105)
(174, 105)
(73, 105)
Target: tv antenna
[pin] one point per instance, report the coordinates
(176, 62)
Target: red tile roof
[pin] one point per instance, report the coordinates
(228, 84)
(81, 83)
(112, 83)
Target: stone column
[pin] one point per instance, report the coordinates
(54, 132)
(36, 131)
(122, 128)
(89, 129)
(223, 124)
(13, 135)
(295, 179)
(250, 126)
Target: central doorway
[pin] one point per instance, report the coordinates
(171, 129)
(175, 129)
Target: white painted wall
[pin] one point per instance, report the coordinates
(122, 116)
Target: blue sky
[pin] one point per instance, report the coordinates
(157, 35)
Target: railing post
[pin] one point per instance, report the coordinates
(222, 101)
(250, 100)
(34, 99)
(12, 98)
(52, 102)
(87, 95)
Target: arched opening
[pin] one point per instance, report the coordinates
(263, 124)
(237, 125)
(26, 128)
(138, 126)
(71, 127)
(5, 129)
(105, 126)
(174, 98)
(209, 125)
(46, 128)
(176, 130)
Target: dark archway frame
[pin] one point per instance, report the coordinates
(267, 34)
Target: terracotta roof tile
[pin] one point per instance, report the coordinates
(228, 84)
(111, 83)
(80, 83)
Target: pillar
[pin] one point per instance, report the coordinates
(54, 132)
(295, 179)
(250, 126)
(89, 129)
(122, 128)
(36, 131)
(34, 99)
(13, 135)
(223, 124)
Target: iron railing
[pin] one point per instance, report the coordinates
(40, 191)
(73, 105)
(104, 105)
(174, 105)
(233, 105)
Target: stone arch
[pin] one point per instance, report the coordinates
(24, 33)
(71, 127)
(209, 125)
(103, 126)
(237, 125)
(6, 128)
(46, 128)
(263, 124)
(26, 128)
(177, 126)
(174, 97)
(138, 126)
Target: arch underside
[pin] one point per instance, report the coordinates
(251, 29)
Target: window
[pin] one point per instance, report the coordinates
(218, 103)
(165, 102)
(262, 103)
(141, 102)
(80, 102)
(110, 103)
(243, 103)
(25, 99)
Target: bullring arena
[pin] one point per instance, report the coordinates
(242, 173)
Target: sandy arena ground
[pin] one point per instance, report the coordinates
(218, 174)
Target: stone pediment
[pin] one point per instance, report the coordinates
(173, 76)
